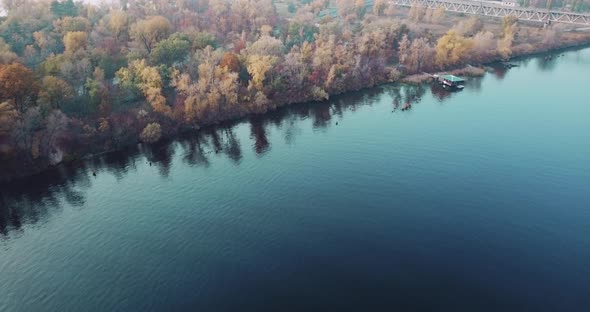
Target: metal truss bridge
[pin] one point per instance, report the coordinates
(497, 9)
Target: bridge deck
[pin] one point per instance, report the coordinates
(489, 8)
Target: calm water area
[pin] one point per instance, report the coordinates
(470, 201)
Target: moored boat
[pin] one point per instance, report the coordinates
(451, 82)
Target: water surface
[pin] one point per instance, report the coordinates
(470, 201)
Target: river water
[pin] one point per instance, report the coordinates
(469, 201)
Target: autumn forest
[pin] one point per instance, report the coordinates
(78, 78)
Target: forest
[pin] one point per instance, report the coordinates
(79, 78)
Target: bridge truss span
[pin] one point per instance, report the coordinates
(488, 8)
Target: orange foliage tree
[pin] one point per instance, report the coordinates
(231, 62)
(18, 84)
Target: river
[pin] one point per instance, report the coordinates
(470, 201)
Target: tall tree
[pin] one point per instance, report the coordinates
(75, 41)
(8, 115)
(451, 49)
(231, 62)
(422, 55)
(54, 92)
(67, 24)
(214, 94)
(172, 50)
(18, 84)
(64, 8)
(150, 31)
(6, 54)
(118, 23)
(509, 29)
(149, 81)
(258, 67)
(404, 50)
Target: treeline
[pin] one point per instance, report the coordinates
(78, 78)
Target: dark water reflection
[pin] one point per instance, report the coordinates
(31, 200)
(28, 201)
(547, 63)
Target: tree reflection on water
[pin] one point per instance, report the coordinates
(35, 199)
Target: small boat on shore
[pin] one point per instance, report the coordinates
(451, 82)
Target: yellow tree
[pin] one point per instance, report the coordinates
(509, 25)
(258, 67)
(54, 91)
(68, 23)
(505, 46)
(509, 29)
(118, 23)
(75, 41)
(148, 80)
(151, 84)
(451, 49)
(150, 31)
(151, 133)
(214, 94)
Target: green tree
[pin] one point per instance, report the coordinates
(172, 50)
(201, 40)
(64, 8)
(6, 54)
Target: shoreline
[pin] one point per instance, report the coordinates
(478, 70)
(468, 70)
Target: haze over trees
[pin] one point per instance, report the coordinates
(78, 78)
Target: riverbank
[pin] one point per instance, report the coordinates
(14, 169)
(481, 69)
(477, 201)
(474, 202)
